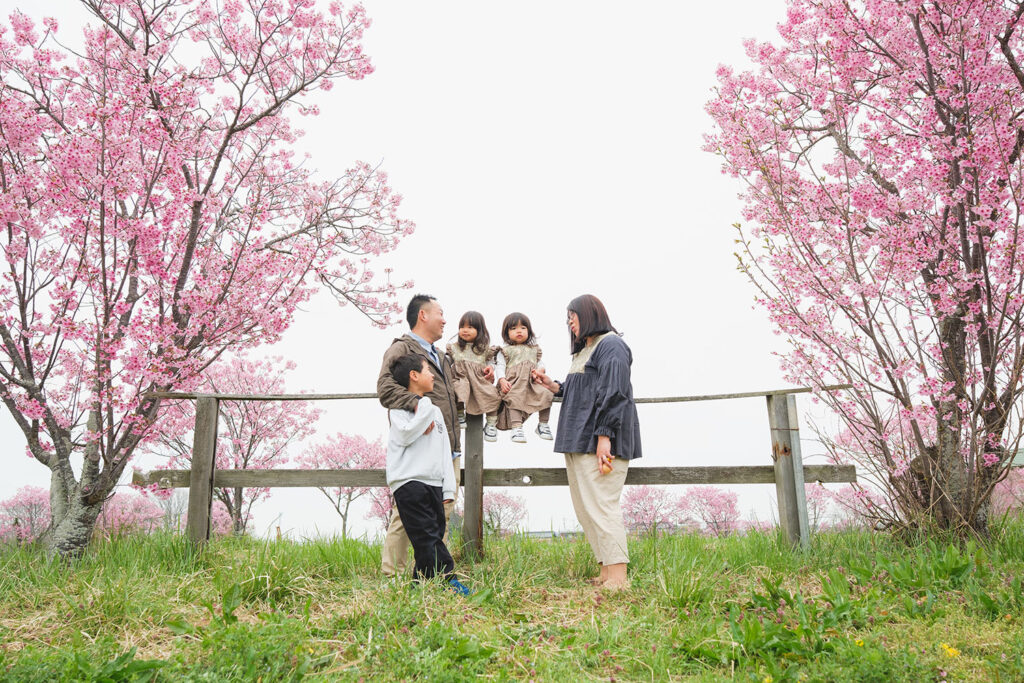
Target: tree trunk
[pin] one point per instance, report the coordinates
(236, 513)
(69, 534)
(72, 520)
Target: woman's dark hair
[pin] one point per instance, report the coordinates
(513, 319)
(403, 365)
(593, 320)
(476, 321)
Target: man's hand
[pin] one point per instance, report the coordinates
(430, 428)
(504, 385)
(489, 373)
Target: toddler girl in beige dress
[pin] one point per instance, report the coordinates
(520, 396)
(473, 362)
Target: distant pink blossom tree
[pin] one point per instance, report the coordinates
(381, 504)
(503, 513)
(344, 452)
(859, 506)
(819, 506)
(648, 509)
(1008, 496)
(221, 521)
(253, 435)
(155, 215)
(128, 513)
(880, 144)
(25, 515)
(174, 503)
(716, 509)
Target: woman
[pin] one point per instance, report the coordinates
(598, 431)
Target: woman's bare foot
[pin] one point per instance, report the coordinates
(615, 576)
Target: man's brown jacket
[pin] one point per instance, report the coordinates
(394, 395)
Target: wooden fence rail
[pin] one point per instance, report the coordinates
(526, 476)
(787, 471)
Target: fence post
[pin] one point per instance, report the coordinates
(200, 492)
(473, 487)
(789, 468)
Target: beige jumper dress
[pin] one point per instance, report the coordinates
(525, 396)
(478, 395)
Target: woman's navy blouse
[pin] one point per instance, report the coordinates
(599, 402)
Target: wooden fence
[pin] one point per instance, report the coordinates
(787, 471)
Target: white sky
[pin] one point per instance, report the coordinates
(544, 149)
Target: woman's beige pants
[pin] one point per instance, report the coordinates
(595, 497)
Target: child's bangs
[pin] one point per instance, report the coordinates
(514, 320)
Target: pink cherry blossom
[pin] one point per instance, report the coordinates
(879, 145)
(714, 508)
(25, 515)
(649, 509)
(345, 452)
(503, 513)
(127, 513)
(252, 435)
(156, 216)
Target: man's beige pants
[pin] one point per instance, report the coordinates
(394, 556)
(595, 497)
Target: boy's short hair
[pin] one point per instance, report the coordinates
(403, 365)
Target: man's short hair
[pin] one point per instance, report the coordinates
(416, 304)
(403, 365)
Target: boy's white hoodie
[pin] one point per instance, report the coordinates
(415, 456)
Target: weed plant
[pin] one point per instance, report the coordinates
(855, 606)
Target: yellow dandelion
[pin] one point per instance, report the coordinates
(767, 679)
(859, 642)
(950, 650)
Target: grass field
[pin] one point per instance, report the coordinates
(856, 607)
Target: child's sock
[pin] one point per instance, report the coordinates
(492, 420)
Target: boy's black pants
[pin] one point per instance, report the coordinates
(422, 512)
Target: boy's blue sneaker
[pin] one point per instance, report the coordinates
(456, 586)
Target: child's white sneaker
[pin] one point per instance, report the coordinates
(544, 432)
(462, 420)
(518, 436)
(490, 432)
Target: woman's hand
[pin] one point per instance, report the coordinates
(604, 455)
(539, 376)
(504, 385)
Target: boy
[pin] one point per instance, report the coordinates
(419, 471)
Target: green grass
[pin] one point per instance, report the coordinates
(857, 606)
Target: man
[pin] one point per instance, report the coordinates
(426, 326)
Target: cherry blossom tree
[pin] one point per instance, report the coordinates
(127, 513)
(859, 506)
(381, 504)
(648, 509)
(715, 508)
(1008, 496)
(253, 435)
(819, 506)
(345, 452)
(880, 146)
(503, 513)
(174, 503)
(25, 515)
(155, 216)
